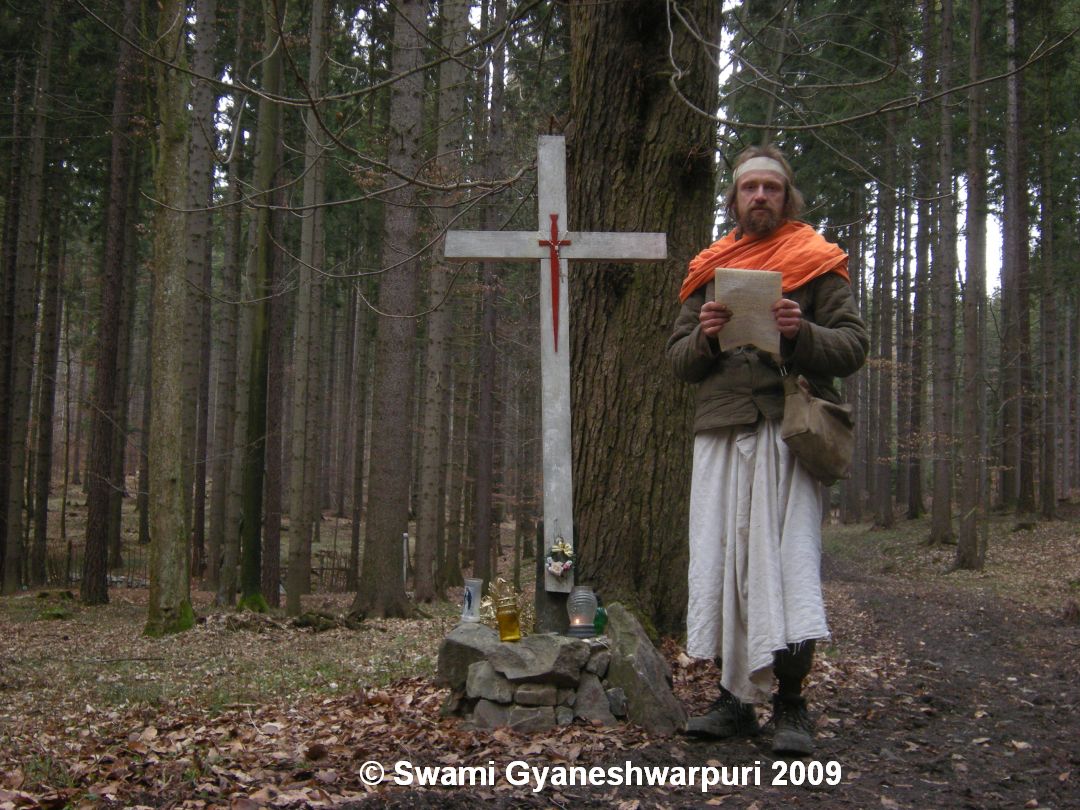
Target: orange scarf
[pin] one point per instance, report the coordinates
(794, 249)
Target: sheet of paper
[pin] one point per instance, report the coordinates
(750, 295)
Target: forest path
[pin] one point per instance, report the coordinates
(928, 695)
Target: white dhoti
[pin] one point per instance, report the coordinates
(755, 555)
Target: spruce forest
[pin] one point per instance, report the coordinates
(224, 295)
(241, 384)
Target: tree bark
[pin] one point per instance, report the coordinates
(484, 435)
(307, 338)
(382, 591)
(199, 250)
(970, 553)
(944, 287)
(431, 514)
(640, 159)
(170, 491)
(25, 311)
(94, 584)
(49, 355)
(260, 273)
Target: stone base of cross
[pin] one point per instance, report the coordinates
(553, 245)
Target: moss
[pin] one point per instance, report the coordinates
(255, 602)
(171, 621)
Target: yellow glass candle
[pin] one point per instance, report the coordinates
(506, 614)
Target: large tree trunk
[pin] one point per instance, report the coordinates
(382, 590)
(170, 483)
(640, 159)
(431, 515)
(944, 285)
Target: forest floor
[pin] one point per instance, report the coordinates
(937, 689)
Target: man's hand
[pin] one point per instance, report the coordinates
(788, 317)
(713, 317)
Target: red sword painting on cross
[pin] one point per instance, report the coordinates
(553, 244)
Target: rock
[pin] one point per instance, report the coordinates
(535, 694)
(567, 697)
(599, 662)
(564, 715)
(644, 676)
(616, 699)
(490, 715)
(592, 701)
(484, 682)
(544, 658)
(455, 704)
(467, 643)
(527, 719)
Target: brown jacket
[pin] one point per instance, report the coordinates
(737, 387)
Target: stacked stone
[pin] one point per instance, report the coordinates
(547, 680)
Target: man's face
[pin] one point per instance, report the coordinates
(759, 202)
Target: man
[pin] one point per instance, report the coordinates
(755, 600)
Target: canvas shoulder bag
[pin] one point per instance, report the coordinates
(820, 433)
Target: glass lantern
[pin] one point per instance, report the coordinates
(581, 606)
(470, 600)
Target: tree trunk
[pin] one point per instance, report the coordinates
(49, 355)
(7, 293)
(25, 310)
(944, 285)
(920, 333)
(431, 515)
(883, 269)
(640, 159)
(200, 185)
(170, 493)
(484, 435)
(94, 584)
(144, 431)
(227, 320)
(382, 591)
(1051, 333)
(306, 389)
(970, 553)
(118, 483)
(1015, 240)
(275, 406)
(260, 273)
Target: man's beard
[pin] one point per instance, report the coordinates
(760, 221)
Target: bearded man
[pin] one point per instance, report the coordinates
(755, 603)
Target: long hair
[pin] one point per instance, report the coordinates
(793, 198)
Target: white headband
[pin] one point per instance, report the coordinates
(760, 164)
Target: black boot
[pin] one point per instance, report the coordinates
(727, 717)
(793, 730)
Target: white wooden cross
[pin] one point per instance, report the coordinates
(553, 246)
